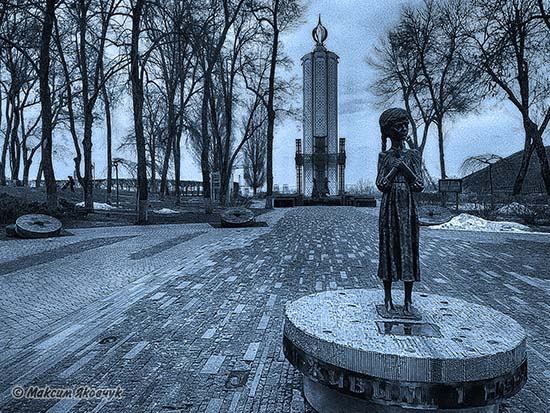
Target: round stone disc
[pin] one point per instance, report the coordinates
(433, 214)
(37, 226)
(237, 217)
(456, 341)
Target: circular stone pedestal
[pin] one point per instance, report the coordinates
(459, 357)
(237, 217)
(37, 226)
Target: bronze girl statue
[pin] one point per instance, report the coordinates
(399, 175)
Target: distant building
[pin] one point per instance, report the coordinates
(504, 175)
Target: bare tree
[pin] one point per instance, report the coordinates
(399, 79)
(18, 53)
(230, 96)
(511, 47)
(61, 38)
(91, 22)
(48, 17)
(213, 27)
(436, 33)
(168, 30)
(136, 80)
(276, 16)
(544, 12)
(154, 121)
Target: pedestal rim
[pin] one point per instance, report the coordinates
(418, 368)
(326, 400)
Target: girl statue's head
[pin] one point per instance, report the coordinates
(394, 124)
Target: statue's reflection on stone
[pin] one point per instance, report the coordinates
(399, 175)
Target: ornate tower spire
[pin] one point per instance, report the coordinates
(320, 33)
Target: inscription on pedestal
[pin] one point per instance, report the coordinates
(421, 395)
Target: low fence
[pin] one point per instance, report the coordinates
(187, 188)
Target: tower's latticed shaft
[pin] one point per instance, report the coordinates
(319, 167)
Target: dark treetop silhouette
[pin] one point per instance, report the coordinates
(399, 175)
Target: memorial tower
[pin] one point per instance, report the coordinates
(320, 156)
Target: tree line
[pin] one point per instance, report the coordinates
(205, 73)
(445, 57)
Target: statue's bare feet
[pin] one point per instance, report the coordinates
(388, 303)
(407, 309)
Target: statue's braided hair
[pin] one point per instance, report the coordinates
(389, 117)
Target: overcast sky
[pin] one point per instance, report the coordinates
(353, 29)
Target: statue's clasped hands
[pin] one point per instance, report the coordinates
(397, 164)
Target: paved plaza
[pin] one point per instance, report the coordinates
(188, 318)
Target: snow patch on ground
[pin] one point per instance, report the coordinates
(515, 209)
(99, 206)
(467, 222)
(165, 211)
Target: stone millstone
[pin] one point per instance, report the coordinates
(433, 214)
(37, 226)
(237, 217)
(459, 356)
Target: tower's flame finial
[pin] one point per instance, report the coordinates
(320, 33)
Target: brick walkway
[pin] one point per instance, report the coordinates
(188, 318)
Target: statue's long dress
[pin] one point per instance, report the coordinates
(398, 223)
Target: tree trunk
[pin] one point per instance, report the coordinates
(153, 157)
(70, 109)
(441, 149)
(225, 182)
(7, 133)
(412, 122)
(46, 103)
(270, 107)
(87, 108)
(2, 160)
(177, 166)
(525, 160)
(164, 172)
(137, 99)
(543, 159)
(170, 144)
(205, 150)
(109, 127)
(425, 131)
(15, 152)
(26, 169)
(169, 148)
(491, 185)
(38, 182)
(88, 172)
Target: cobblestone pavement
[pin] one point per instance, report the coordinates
(189, 318)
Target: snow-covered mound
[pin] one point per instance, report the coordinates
(467, 222)
(165, 211)
(515, 209)
(99, 206)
